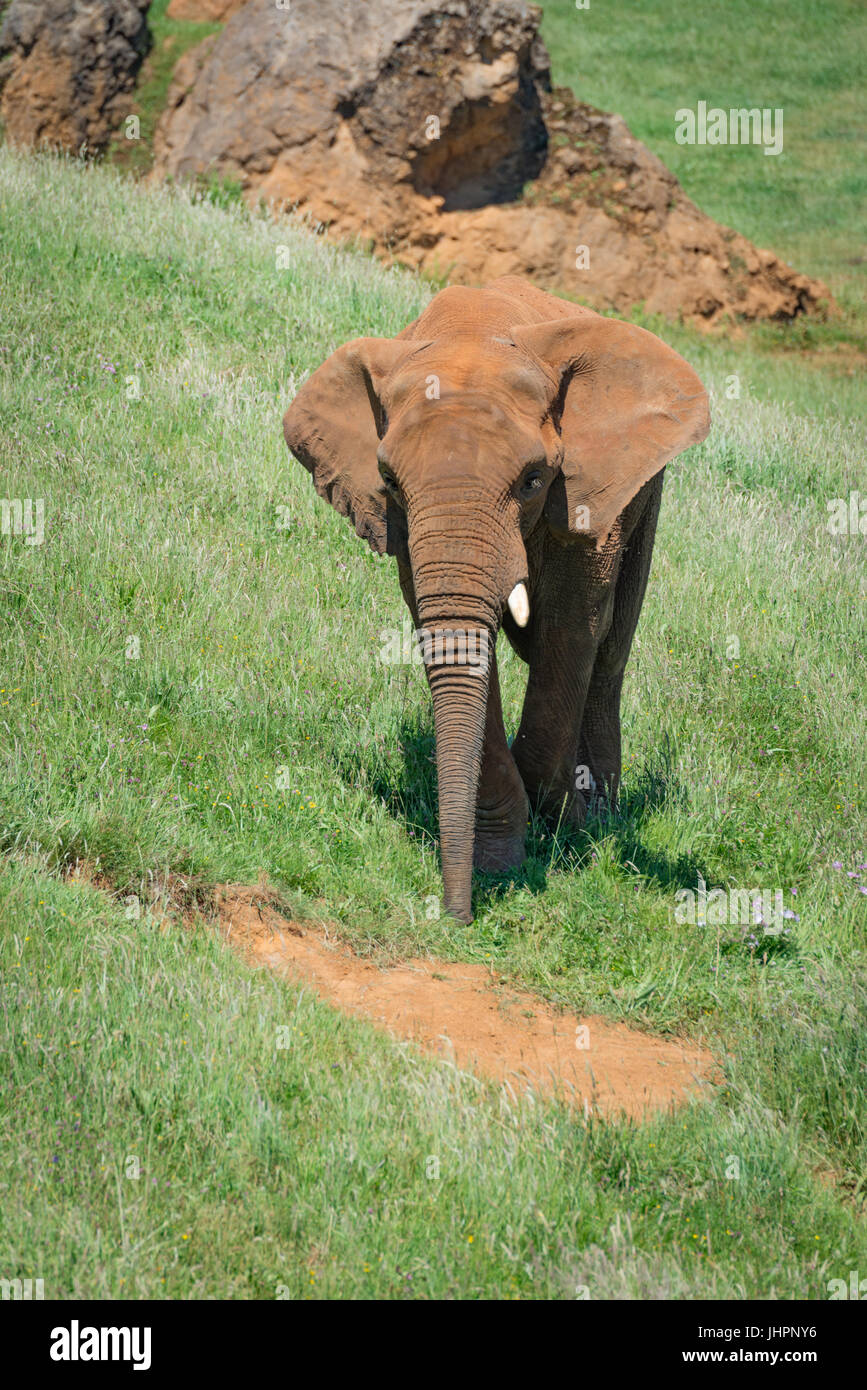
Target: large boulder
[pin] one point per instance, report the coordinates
(69, 70)
(348, 91)
(427, 128)
(5, 55)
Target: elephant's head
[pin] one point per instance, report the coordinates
(448, 445)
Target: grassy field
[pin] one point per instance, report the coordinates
(646, 61)
(173, 644)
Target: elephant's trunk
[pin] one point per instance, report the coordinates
(458, 593)
(459, 701)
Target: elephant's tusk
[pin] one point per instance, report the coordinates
(519, 605)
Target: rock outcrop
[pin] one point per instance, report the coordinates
(430, 132)
(69, 70)
(5, 55)
(426, 129)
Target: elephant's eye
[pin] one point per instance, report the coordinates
(531, 483)
(390, 481)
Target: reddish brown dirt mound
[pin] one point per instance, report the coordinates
(463, 1013)
(70, 69)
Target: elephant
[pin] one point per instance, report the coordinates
(508, 449)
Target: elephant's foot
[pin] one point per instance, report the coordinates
(566, 798)
(571, 808)
(500, 836)
(564, 808)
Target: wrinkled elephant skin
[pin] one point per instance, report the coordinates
(508, 449)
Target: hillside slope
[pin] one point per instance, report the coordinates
(191, 694)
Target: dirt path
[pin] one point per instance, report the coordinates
(462, 1013)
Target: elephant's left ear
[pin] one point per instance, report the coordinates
(333, 427)
(626, 404)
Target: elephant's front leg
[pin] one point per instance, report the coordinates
(546, 745)
(599, 744)
(501, 804)
(570, 613)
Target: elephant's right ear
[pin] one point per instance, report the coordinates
(334, 425)
(627, 403)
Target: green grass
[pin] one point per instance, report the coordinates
(257, 651)
(646, 61)
(170, 40)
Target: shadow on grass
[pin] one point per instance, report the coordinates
(404, 780)
(563, 847)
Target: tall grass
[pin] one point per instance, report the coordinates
(191, 686)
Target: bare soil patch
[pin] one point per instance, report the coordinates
(463, 1013)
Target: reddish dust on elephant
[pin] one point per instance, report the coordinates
(508, 448)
